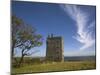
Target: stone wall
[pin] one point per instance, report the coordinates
(54, 48)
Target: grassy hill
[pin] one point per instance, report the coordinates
(55, 66)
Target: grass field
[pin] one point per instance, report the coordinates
(50, 67)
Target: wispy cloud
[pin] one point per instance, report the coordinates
(83, 34)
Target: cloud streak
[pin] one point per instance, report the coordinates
(83, 34)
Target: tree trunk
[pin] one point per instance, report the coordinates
(12, 46)
(21, 60)
(12, 51)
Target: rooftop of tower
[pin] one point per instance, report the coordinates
(53, 37)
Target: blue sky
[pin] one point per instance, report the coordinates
(75, 23)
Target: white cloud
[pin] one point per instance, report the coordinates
(83, 34)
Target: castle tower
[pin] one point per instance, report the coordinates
(54, 50)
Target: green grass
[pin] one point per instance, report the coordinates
(50, 67)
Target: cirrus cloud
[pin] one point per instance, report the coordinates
(83, 35)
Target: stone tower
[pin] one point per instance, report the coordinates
(54, 48)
